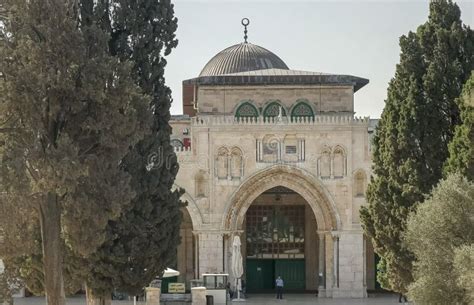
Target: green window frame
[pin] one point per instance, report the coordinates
(302, 110)
(272, 110)
(246, 110)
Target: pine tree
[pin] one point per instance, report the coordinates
(144, 240)
(461, 148)
(69, 112)
(411, 141)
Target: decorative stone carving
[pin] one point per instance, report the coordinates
(222, 166)
(324, 164)
(236, 163)
(360, 182)
(339, 162)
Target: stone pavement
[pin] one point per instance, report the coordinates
(266, 299)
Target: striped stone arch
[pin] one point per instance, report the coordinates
(272, 109)
(302, 109)
(246, 109)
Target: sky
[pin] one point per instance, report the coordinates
(343, 37)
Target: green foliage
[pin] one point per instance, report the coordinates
(417, 123)
(382, 273)
(9, 284)
(461, 148)
(144, 240)
(464, 268)
(443, 224)
(69, 113)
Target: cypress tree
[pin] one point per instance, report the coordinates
(417, 123)
(144, 240)
(461, 148)
(69, 113)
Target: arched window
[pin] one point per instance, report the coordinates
(339, 162)
(302, 110)
(222, 163)
(324, 164)
(236, 164)
(360, 181)
(201, 184)
(273, 110)
(176, 143)
(246, 110)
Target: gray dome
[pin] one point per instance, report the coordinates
(241, 58)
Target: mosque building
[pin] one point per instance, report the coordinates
(277, 157)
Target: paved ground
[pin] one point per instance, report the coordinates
(293, 299)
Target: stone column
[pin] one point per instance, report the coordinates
(351, 266)
(152, 295)
(211, 259)
(331, 165)
(196, 255)
(198, 296)
(329, 264)
(335, 238)
(322, 265)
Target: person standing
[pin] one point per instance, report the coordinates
(279, 287)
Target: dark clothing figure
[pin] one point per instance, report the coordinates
(231, 293)
(400, 296)
(279, 292)
(279, 287)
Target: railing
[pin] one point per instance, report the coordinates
(182, 149)
(317, 120)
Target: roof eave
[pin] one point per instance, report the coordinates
(326, 79)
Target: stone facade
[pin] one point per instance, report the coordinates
(219, 194)
(281, 128)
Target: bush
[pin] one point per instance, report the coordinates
(438, 232)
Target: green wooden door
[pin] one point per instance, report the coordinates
(292, 271)
(260, 275)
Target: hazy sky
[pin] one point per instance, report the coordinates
(343, 37)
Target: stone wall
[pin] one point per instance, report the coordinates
(208, 174)
(225, 99)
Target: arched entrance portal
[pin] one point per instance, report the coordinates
(279, 240)
(319, 209)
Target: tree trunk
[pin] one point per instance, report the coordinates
(97, 300)
(50, 220)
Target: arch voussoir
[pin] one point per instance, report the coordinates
(299, 180)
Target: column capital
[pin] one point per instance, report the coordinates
(335, 234)
(236, 232)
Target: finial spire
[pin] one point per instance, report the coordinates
(245, 23)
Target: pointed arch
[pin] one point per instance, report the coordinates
(360, 183)
(236, 163)
(246, 109)
(222, 163)
(302, 109)
(193, 209)
(296, 179)
(272, 109)
(324, 163)
(339, 162)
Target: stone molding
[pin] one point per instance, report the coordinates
(297, 179)
(193, 209)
